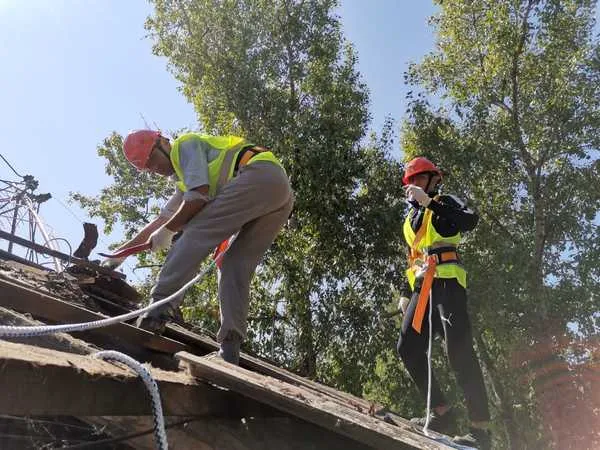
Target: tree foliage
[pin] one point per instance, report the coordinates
(509, 106)
(281, 74)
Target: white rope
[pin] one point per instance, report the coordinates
(447, 320)
(157, 413)
(429, 374)
(30, 331)
(43, 330)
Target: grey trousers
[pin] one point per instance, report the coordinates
(256, 203)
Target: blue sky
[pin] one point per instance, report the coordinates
(75, 70)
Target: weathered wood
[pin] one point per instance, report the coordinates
(39, 381)
(264, 367)
(308, 405)
(57, 341)
(23, 299)
(201, 342)
(66, 343)
(24, 262)
(252, 433)
(60, 255)
(259, 366)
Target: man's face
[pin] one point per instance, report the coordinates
(422, 180)
(159, 161)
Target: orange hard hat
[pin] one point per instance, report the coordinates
(138, 145)
(419, 165)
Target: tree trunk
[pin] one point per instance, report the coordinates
(536, 272)
(515, 440)
(306, 349)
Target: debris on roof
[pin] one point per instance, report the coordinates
(207, 402)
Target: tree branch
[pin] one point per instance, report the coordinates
(515, 93)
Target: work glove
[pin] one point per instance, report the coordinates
(113, 263)
(417, 194)
(161, 239)
(404, 302)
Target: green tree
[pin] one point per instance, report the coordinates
(509, 106)
(282, 74)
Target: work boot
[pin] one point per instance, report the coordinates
(230, 348)
(444, 423)
(476, 437)
(156, 321)
(177, 316)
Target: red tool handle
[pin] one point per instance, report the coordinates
(129, 251)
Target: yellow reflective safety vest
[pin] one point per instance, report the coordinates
(220, 170)
(424, 242)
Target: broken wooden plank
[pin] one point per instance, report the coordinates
(266, 368)
(26, 300)
(60, 255)
(179, 333)
(39, 381)
(308, 405)
(57, 341)
(89, 242)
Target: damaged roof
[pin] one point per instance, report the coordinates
(207, 403)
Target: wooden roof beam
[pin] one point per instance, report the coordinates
(43, 382)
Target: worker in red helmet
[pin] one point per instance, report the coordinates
(437, 278)
(224, 185)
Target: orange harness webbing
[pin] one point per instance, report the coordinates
(419, 315)
(429, 273)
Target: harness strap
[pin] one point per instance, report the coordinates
(414, 253)
(246, 155)
(419, 315)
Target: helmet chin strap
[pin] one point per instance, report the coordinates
(162, 150)
(432, 189)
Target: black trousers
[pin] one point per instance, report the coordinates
(450, 303)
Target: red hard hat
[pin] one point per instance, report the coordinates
(419, 165)
(138, 145)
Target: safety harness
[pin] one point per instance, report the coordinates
(246, 155)
(423, 263)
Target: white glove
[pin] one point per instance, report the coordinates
(112, 263)
(161, 239)
(404, 302)
(417, 194)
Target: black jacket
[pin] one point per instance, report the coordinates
(450, 216)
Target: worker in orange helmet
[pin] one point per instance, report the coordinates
(437, 278)
(224, 185)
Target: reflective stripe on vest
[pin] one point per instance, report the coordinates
(424, 239)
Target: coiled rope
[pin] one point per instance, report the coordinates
(160, 434)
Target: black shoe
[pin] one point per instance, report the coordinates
(177, 316)
(445, 423)
(156, 322)
(476, 437)
(230, 348)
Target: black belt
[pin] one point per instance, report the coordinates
(254, 149)
(445, 255)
